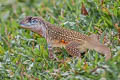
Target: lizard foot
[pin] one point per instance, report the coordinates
(52, 56)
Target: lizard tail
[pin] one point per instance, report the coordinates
(104, 50)
(94, 44)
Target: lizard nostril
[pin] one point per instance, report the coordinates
(21, 23)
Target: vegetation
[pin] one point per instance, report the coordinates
(24, 56)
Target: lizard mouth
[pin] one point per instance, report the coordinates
(26, 26)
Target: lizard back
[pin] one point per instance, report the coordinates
(58, 33)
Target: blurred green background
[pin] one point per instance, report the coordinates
(24, 55)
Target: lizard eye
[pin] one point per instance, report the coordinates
(33, 21)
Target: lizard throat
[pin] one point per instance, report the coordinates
(41, 30)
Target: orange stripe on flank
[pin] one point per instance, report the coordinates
(63, 41)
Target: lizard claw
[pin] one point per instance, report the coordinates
(52, 56)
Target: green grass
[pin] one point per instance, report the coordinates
(24, 56)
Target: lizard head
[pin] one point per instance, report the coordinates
(29, 22)
(34, 24)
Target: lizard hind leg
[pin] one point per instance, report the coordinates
(75, 48)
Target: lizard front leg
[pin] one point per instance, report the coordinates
(75, 48)
(50, 50)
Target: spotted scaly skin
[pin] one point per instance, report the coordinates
(74, 42)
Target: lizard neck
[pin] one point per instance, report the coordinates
(41, 29)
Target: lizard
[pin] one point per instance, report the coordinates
(74, 42)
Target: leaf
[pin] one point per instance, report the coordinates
(102, 2)
(104, 9)
(83, 10)
(85, 66)
(118, 29)
(1, 50)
